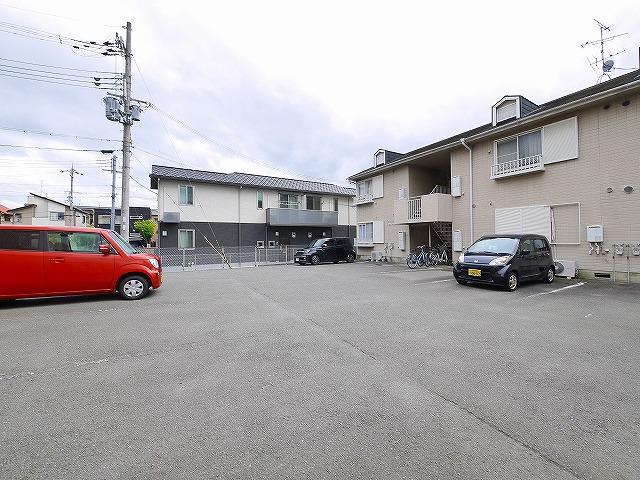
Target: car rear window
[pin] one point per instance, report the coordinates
(541, 245)
(19, 240)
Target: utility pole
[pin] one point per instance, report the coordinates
(72, 171)
(114, 157)
(126, 138)
(112, 224)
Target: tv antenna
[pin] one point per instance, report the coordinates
(605, 63)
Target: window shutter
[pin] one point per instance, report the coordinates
(535, 220)
(456, 188)
(508, 220)
(377, 186)
(378, 231)
(560, 141)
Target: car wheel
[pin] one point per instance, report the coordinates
(512, 282)
(350, 258)
(134, 287)
(315, 260)
(550, 276)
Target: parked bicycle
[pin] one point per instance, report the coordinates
(419, 258)
(438, 256)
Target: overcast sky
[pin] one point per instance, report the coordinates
(299, 89)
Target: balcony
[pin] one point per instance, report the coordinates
(517, 167)
(364, 198)
(303, 218)
(364, 242)
(435, 207)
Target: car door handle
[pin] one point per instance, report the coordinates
(56, 260)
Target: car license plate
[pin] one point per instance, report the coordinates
(474, 272)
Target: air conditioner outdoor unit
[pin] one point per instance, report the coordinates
(566, 268)
(375, 256)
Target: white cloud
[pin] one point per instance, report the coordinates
(311, 89)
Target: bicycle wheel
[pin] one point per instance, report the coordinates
(422, 260)
(433, 258)
(412, 260)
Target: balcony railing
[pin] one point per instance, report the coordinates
(435, 207)
(301, 217)
(517, 167)
(364, 198)
(364, 242)
(414, 209)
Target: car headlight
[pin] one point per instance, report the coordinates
(461, 258)
(500, 260)
(154, 262)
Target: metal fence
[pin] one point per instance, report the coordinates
(209, 258)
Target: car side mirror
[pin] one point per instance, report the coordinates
(105, 249)
(525, 252)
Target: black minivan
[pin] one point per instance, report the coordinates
(506, 260)
(333, 249)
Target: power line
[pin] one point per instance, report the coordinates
(58, 83)
(54, 148)
(51, 134)
(97, 81)
(54, 66)
(115, 76)
(54, 15)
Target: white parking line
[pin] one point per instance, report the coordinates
(556, 290)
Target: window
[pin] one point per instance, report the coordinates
(17, 218)
(365, 232)
(19, 240)
(523, 146)
(526, 245)
(541, 245)
(339, 242)
(506, 111)
(186, 239)
(272, 243)
(288, 200)
(186, 195)
(335, 204)
(365, 189)
(126, 246)
(106, 220)
(75, 242)
(56, 216)
(380, 158)
(260, 244)
(260, 201)
(314, 202)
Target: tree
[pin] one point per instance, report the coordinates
(146, 228)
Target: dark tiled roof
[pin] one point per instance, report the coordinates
(248, 180)
(586, 92)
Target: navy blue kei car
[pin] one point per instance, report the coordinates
(506, 260)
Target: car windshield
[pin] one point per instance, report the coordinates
(316, 243)
(495, 246)
(126, 246)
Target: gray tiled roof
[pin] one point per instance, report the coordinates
(247, 179)
(592, 90)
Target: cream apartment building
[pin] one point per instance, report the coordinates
(568, 168)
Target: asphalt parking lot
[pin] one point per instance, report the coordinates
(337, 371)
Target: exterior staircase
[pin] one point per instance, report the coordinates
(443, 233)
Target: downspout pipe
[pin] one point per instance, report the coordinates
(471, 239)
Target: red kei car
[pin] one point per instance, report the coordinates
(47, 261)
